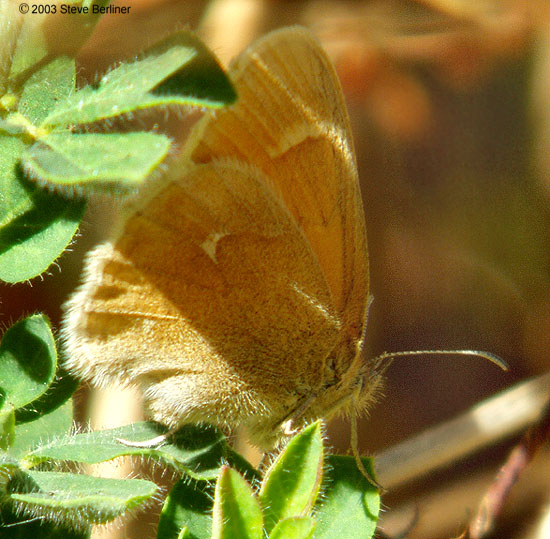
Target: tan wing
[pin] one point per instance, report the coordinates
(227, 288)
(291, 122)
(210, 299)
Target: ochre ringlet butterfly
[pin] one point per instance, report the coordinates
(234, 289)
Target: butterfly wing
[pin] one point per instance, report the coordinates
(291, 122)
(228, 284)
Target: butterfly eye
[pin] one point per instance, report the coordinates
(331, 364)
(361, 381)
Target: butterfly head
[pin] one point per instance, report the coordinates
(350, 386)
(356, 386)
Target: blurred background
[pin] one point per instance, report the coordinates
(450, 108)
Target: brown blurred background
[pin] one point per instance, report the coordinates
(450, 107)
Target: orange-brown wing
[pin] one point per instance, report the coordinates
(225, 290)
(210, 299)
(290, 121)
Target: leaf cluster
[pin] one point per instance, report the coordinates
(52, 147)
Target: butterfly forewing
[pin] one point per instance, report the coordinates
(291, 122)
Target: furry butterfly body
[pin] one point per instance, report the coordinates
(234, 289)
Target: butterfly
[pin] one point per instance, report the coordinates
(234, 289)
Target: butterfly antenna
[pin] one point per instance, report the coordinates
(480, 353)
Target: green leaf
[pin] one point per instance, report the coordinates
(31, 45)
(180, 70)
(49, 34)
(237, 513)
(98, 161)
(59, 392)
(186, 511)
(78, 498)
(13, 201)
(349, 501)
(292, 483)
(10, 21)
(9, 467)
(7, 427)
(28, 359)
(201, 81)
(51, 84)
(293, 528)
(196, 450)
(35, 226)
(56, 424)
(16, 124)
(239, 463)
(16, 526)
